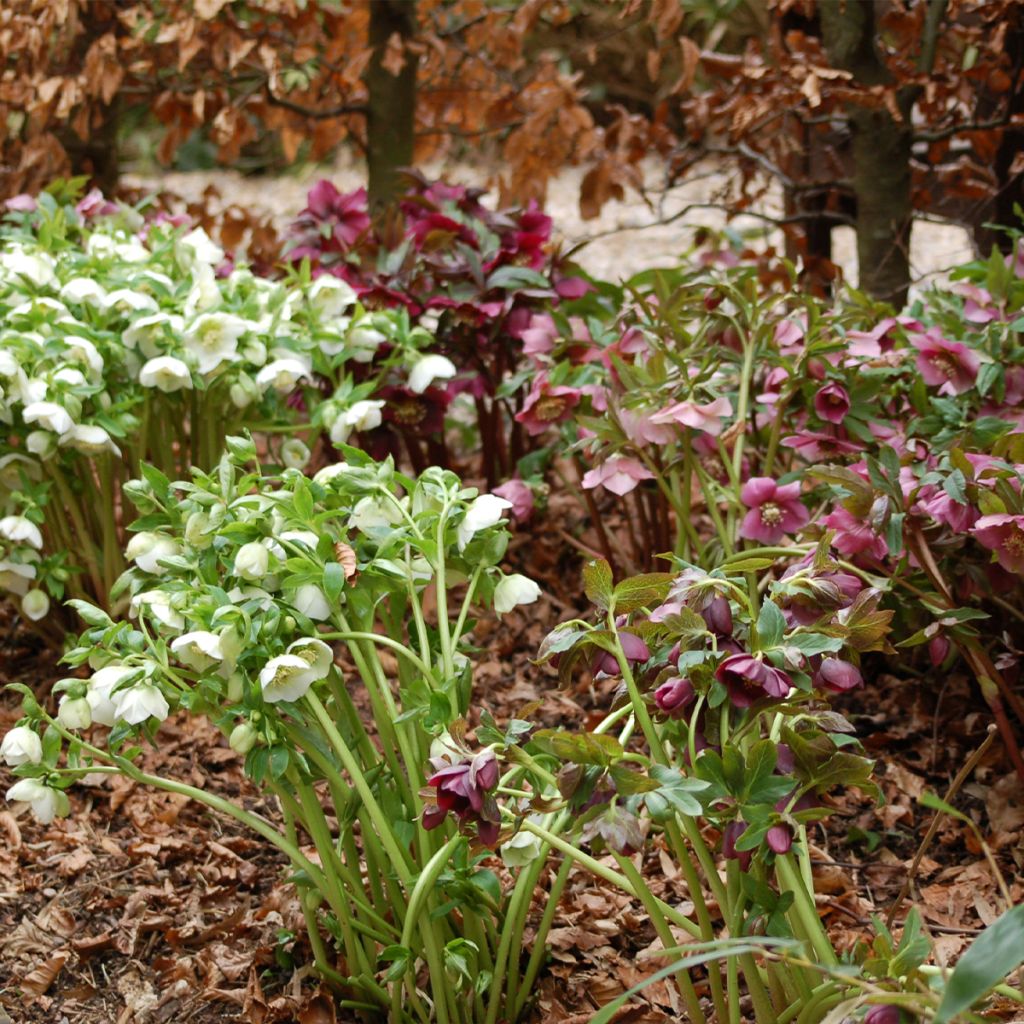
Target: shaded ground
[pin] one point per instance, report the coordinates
(142, 908)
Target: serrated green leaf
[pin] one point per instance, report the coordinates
(597, 583)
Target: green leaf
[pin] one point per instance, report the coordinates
(640, 591)
(771, 625)
(994, 954)
(334, 581)
(675, 793)
(400, 958)
(913, 949)
(580, 748)
(597, 583)
(814, 643)
(629, 782)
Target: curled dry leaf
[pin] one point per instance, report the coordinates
(346, 559)
(42, 976)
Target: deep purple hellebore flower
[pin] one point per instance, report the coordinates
(632, 647)
(748, 679)
(837, 675)
(674, 695)
(883, 1015)
(730, 836)
(774, 510)
(464, 789)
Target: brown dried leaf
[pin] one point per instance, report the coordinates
(42, 976)
(346, 557)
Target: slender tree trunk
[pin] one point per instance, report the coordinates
(391, 105)
(881, 148)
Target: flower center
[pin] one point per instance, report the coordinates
(771, 514)
(409, 413)
(549, 408)
(1014, 543)
(944, 363)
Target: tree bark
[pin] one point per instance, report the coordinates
(391, 104)
(881, 149)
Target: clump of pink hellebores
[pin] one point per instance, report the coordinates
(748, 679)
(948, 365)
(774, 510)
(546, 403)
(832, 403)
(521, 496)
(619, 474)
(1003, 534)
(707, 417)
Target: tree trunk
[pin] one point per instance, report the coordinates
(881, 147)
(391, 104)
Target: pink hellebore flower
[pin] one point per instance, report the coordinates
(814, 445)
(832, 403)
(948, 365)
(641, 428)
(774, 510)
(790, 333)
(854, 536)
(779, 838)
(546, 404)
(540, 336)
(520, 495)
(1003, 534)
(22, 203)
(619, 474)
(706, 417)
(837, 675)
(748, 679)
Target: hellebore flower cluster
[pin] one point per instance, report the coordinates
(464, 787)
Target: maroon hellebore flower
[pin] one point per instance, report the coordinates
(749, 679)
(832, 403)
(674, 696)
(837, 675)
(774, 510)
(464, 790)
(730, 835)
(938, 648)
(779, 838)
(854, 536)
(632, 647)
(1003, 534)
(718, 616)
(883, 1015)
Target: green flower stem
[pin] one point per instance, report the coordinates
(521, 892)
(776, 433)
(743, 400)
(85, 549)
(789, 878)
(664, 932)
(416, 917)
(707, 486)
(643, 716)
(444, 635)
(380, 821)
(595, 867)
(460, 622)
(384, 641)
(539, 950)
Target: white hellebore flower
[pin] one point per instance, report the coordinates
(522, 849)
(146, 549)
(35, 605)
(84, 290)
(15, 576)
(21, 530)
(362, 415)
(294, 454)
(514, 590)
(312, 602)
(101, 686)
(49, 416)
(428, 369)
(69, 375)
(288, 676)
(159, 605)
(125, 300)
(362, 343)
(282, 375)
(34, 267)
(328, 473)
(165, 373)
(82, 350)
(213, 338)
(371, 513)
(21, 746)
(46, 803)
(90, 439)
(330, 296)
(74, 713)
(198, 247)
(137, 703)
(252, 561)
(483, 512)
(146, 332)
(198, 650)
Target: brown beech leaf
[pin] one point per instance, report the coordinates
(346, 557)
(319, 1010)
(393, 59)
(42, 976)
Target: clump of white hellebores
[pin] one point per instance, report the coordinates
(135, 704)
(35, 605)
(252, 561)
(290, 675)
(166, 373)
(74, 713)
(146, 549)
(46, 803)
(485, 511)
(21, 530)
(21, 746)
(198, 650)
(514, 590)
(428, 369)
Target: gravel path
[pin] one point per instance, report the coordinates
(626, 238)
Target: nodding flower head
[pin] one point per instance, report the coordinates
(674, 696)
(465, 789)
(748, 679)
